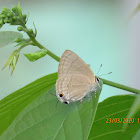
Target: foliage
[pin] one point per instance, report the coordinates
(32, 112)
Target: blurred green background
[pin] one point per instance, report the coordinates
(94, 30)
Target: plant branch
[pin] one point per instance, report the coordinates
(113, 84)
(30, 43)
(110, 83)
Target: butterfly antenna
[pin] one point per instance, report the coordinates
(99, 69)
(105, 74)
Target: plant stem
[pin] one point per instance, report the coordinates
(113, 84)
(106, 82)
(30, 43)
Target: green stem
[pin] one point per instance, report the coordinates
(30, 43)
(110, 83)
(113, 84)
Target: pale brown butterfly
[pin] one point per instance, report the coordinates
(75, 78)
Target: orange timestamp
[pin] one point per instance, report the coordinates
(122, 120)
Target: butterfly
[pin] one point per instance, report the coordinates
(75, 78)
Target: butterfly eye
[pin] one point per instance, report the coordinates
(61, 94)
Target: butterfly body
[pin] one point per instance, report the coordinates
(75, 78)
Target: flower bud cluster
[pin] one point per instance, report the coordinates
(13, 17)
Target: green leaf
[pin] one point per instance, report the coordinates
(135, 109)
(8, 37)
(13, 104)
(110, 117)
(35, 56)
(46, 119)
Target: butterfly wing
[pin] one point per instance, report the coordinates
(71, 63)
(73, 87)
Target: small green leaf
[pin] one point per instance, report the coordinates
(35, 56)
(8, 37)
(135, 109)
